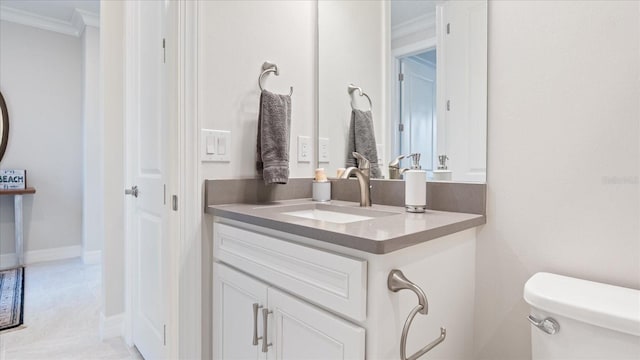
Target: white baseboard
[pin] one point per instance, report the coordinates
(36, 256)
(111, 326)
(92, 257)
(60, 253)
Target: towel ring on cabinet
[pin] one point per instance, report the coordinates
(396, 281)
(351, 88)
(269, 67)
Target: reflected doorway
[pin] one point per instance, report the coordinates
(417, 115)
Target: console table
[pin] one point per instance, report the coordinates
(17, 207)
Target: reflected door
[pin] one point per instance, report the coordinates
(418, 107)
(462, 66)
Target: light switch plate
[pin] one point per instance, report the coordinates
(215, 145)
(323, 145)
(304, 148)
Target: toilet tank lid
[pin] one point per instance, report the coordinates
(604, 305)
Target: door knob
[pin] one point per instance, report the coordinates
(133, 191)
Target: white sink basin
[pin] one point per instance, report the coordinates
(330, 216)
(332, 213)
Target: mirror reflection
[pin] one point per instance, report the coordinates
(4, 126)
(404, 77)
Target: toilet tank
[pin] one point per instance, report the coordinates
(592, 320)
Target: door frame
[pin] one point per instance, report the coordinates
(192, 326)
(131, 13)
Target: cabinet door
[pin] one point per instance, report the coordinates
(233, 320)
(301, 331)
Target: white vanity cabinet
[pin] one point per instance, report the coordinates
(295, 329)
(325, 301)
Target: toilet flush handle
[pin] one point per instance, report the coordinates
(548, 325)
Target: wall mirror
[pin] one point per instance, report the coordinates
(4, 126)
(423, 66)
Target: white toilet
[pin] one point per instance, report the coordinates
(580, 319)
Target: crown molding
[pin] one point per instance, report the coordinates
(418, 24)
(82, 18)
(75, 27)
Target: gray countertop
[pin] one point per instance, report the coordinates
(395, 230)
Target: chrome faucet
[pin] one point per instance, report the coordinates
(362, 173)
(395, 172)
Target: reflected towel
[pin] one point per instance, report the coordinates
(362, 139)
(274, 122)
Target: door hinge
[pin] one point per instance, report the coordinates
(448, 28)
(400, 127)
(164, 51)
(448, 105)
(174, 202)
(164, 335)
(400, 77)
(164, 195)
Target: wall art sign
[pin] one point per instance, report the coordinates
(13, 179)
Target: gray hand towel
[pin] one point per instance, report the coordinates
(274, 122)
(362, 139)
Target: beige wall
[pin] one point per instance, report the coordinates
(564, 107)
(41, 81)
(235, 38)
(112, 110)
(92, 145)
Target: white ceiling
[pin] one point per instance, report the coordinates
(56, 9)
(403, 11)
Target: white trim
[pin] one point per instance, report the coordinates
(92, 257)
(189, 255)
(111, 326)
(414, 48)
(82, 18)
(75, 27)
(37, 256)
(59, 253)
(422, 23)
(130, 62)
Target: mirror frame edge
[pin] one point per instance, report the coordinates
(4, 137)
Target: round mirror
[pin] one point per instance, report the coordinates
(4, 126)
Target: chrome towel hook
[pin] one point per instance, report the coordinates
(269, 67)
(351, 88)
(396, 281)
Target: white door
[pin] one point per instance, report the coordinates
(236, 323)
(301, 331)
(147, 157)
(418, 108)
(462, 66)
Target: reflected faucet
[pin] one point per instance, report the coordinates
(395, 172)
(362, 173)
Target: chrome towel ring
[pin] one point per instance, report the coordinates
(269, 67)
(351, 88)
(396, 281)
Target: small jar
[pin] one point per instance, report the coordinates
(321, 191)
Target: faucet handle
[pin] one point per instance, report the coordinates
(396, 162)
(363, 162)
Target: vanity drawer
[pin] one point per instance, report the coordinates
(333, 281)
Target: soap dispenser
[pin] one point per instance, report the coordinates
(442, 173)
(415, 186)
